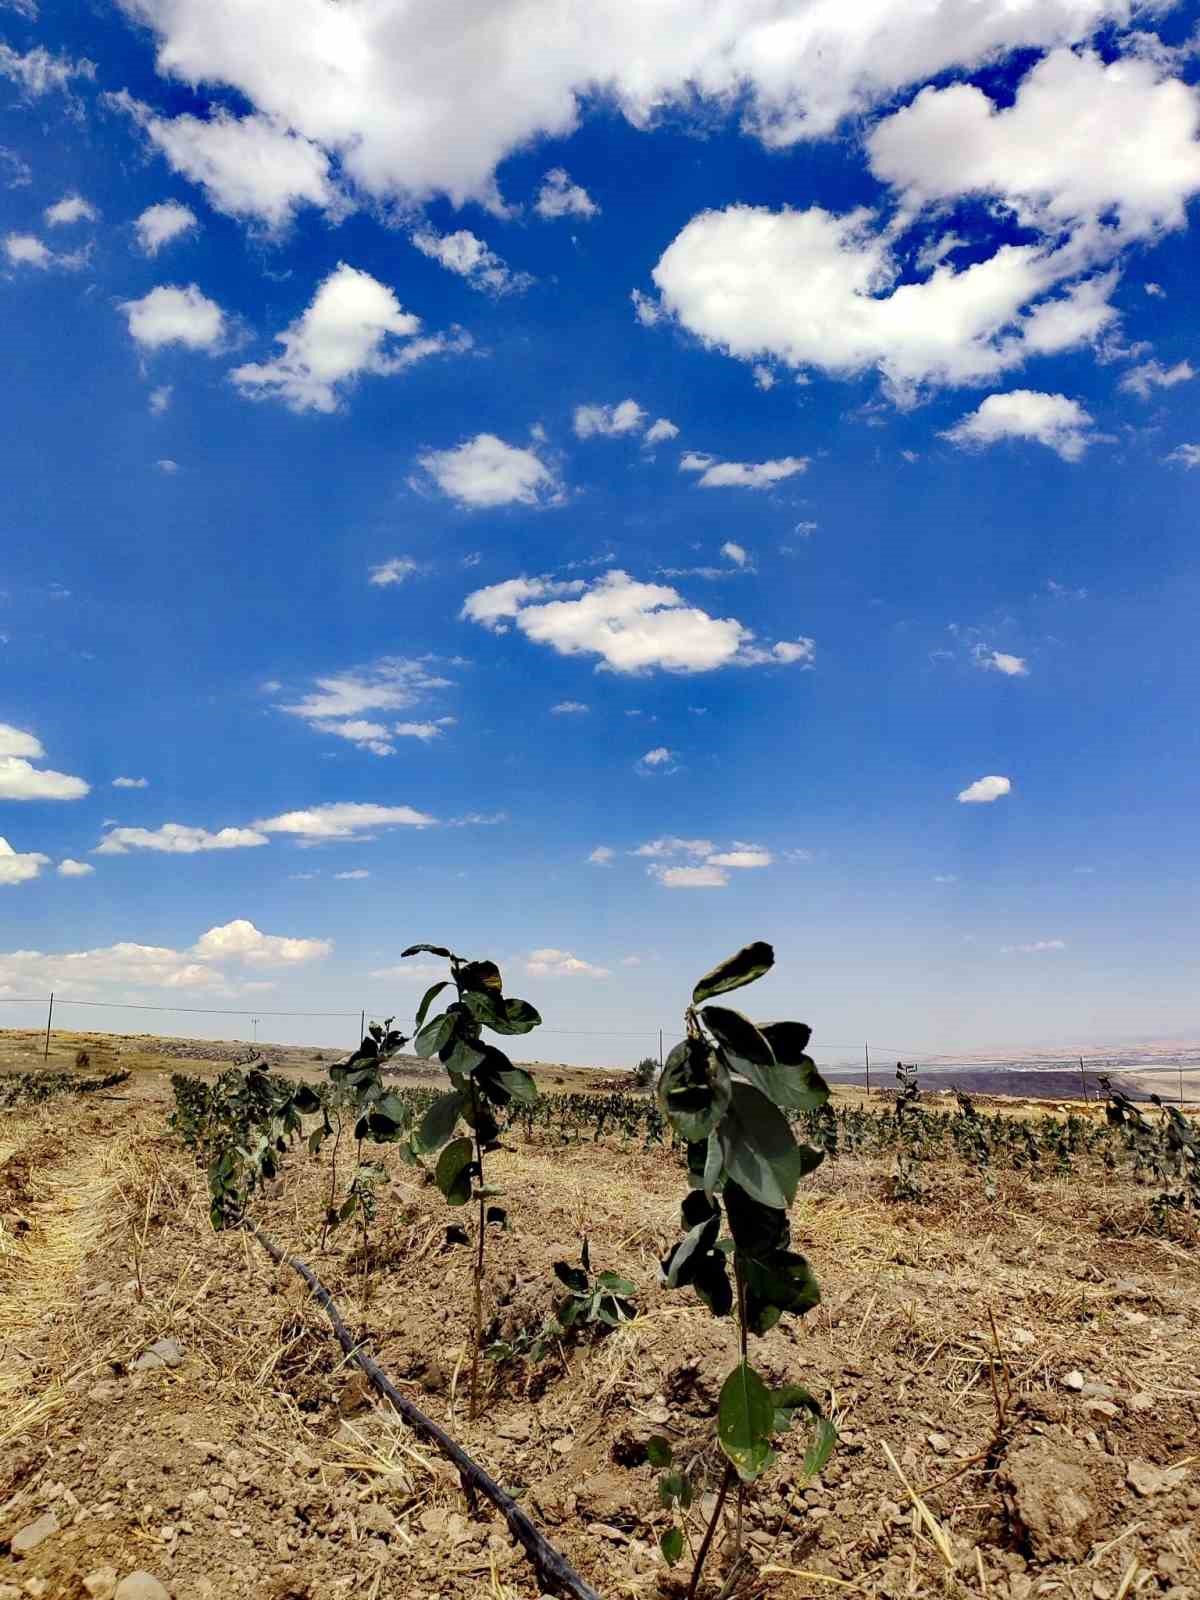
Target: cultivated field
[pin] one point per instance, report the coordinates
(1010, 1357)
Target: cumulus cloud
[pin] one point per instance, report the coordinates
(21, 780)
(670, 846)
(485, 471)
(470, 258)
(20, 742)
(68, 868)
(353, 327)
(744, 856)
(240, 940)
(177, 838)
(342, 819)
(609, 421)
(27, 250)
(559, 197)
(706, 867)
(660, 760)
(702, 877)
(984, 790)
(736, 553)
(70, 209)
(337, 704)
(173, 315)
(16, 867)
(569, 708)
(741, 474)
(385, 93)
(160, 398)
(602, 856)
(1000, 661)
(631, 626)
(131, 783)
(393, 571)
(39, 72)
(1062, 425)
(550, 963)
(161, 224)
(660, 432)
(1150, 375)
(1186, 455)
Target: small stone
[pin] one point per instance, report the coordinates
(517, 1429)
(9, 1591)
(1023, 1336)
(1102, 1408)
(163, 1353)
(1146, 1480)
(1074, 1380)
(32, 1534)
(377, 1519)
(1098, 1391)
(1141, 1401)
(939, 1443)
(141, 1586)
(101, 1583)
(565, 1445)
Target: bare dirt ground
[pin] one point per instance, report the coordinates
(253, 1464)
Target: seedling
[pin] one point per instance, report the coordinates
(485, 1085)
(727, 1090)
(379, 1116)
(606, 1298)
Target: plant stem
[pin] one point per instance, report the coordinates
(710, 1531)
(479, 1247)
(332, 1183)
(743, 1357)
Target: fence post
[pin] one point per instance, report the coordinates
(1083, 1078)
(867, 1056)
(362, 1026)
(49, 1019)
(1179, 1064)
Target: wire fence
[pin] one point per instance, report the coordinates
(870, 1064)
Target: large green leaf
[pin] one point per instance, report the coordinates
(671, 1545)
(782, 1281)
(738, 1037)
(693, 1090)
(434, 1035)
(439, 1122)
(305, 1101)
(501, 1015)
(461, 1056)
(744, 967)
(679, 1269)
(501, 1082)
(480, 975)
(757, 1229)
(759, 1151)
(795, 1082)
(820, 1450)
(746, 1421)
(427, 949)
(454, 1171)
(427, 1000)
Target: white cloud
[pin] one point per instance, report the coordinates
(609, 421)
(1040, 946)
(646, 310)
(1141, 380)
(764, 378)
(38, 72)
(470, 258)
(249, 167)
(659, 432)
(422, 100)
(354, 876)
(984, 790)
(131, 783)
(337, 704)
(660, 760)
(26, 250)
(704, 877)
(742, 856)
(998, 661)
(559, 197)
(1155, 291)
(1187, 455)
(240, 940)
(71, 208)
(18, 742)
(569, 708)
(160, 398)
(945, 877)
(1083, 141)
(813, 290)
(1051, 419)
(393, 571)
(21, 780)
(741, 474)
(159, 224)
(18, 868)
(630, 626)
(346, 331)
(788, 652)
(561, 964)
(75, 869)
(167, 466)
(425, 731)
(657, 848)
(177, 838)
(485, 471)
(602, 856)
(736, 553)
(173, 315)
(343, 819)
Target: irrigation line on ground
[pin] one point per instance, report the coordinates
(554, 1571)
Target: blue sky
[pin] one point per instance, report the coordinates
(593, 489)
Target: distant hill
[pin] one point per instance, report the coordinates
(1048, 1085)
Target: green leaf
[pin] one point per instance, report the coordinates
(711, 1283)
(454, 1171)
(435, 1034)
(738, 1037)
(675, 1486)
(781, 1282)
(439, 1122)
(426, 949)
(820, 1450)
(659, 1452)
(744, 967)
(501, 1015)
(501, 1082)
(790, 1399)
(795, 1082)
(693, 1090)
(759, 1150)
(306, 1101)
(757, 1229)
(574, 1277)
(427, 1000)
(746, 1421)
(671, 1545)
(462, 1056)
(480, 975)
(615, 1284)
(679, 1269)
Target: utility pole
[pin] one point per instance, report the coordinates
(1179, 1064)
(49, 1019)
(1083, 1076)
(660, 1054)
(254, 1025)
(867, 1059)
(362, 1026)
